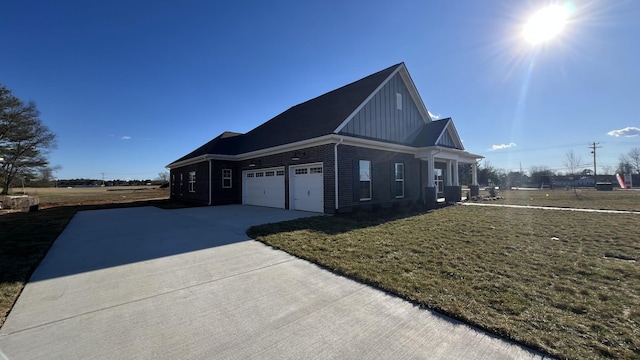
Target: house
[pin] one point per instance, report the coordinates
(371, 142)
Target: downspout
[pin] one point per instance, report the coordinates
(210, 182)
(335, 169)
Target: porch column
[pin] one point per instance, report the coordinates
(456, 180)
(452, 192)
(474, 174)
(431, 193)
(475, 191)
(430, 175)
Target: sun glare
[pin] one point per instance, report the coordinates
(546, 24)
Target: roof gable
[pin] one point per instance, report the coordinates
(313, 118)
(389, 114)
(439, 133)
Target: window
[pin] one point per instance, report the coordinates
(250, 175)
(301, 171)
(226, 178)
(399, 177)
(398, 101)
(365, 180)
(280, 173)
(260, 174)
(269, 173)
(192, 181)
(315, 170)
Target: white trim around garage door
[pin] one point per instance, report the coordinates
(306, 187)
(264, 187)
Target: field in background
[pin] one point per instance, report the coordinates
(52, 197)
(581, 198)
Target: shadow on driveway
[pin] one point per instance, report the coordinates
(101, 239)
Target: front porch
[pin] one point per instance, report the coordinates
(441, 180)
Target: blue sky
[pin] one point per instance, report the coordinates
(130, 86)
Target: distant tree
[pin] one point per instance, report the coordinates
(624, 166)
(540, 175)
(572, 163)
(606, 169)
(586, 172)
(632, 158)
(163, 176)
(24, 140)
(489, 174)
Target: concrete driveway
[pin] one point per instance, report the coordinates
(146, 283)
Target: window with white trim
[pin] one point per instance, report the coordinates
(226, 178)
(192, 181)
(398, 101)
(365, 180)
(280, 173)
(301, 171)
(315, 170)
(399, 177)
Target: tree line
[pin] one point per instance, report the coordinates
(574, 170)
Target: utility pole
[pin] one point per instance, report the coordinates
(593, 146)
(102, 178)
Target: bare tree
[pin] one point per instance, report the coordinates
(24, 140)
(606, 169)
(163, 176)
(572, 163)
(633, 157)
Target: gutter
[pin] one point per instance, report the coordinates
(335, 169)
(210, 182)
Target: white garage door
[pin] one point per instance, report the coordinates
(264, 187)
(306, 187)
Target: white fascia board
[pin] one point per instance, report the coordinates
(346, 121)
(378, 145)
(404, 73)
(322, 140)
(447, 153)
(326, 139)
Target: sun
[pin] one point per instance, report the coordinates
(546, 24)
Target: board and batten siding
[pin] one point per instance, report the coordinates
(380, 118)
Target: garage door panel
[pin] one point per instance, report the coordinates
(307, 188)
(264, 187)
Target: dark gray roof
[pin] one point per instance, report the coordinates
(314, 118)
(430, 133)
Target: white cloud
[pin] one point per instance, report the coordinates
(629, 131)
(502, 146)
(125, 137)
(434, 117)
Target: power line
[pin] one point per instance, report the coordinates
(593, 146)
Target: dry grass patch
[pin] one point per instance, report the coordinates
(582, 198)
(564, 283)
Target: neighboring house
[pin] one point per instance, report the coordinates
(366, 143)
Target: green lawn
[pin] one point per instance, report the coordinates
(566, 283)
